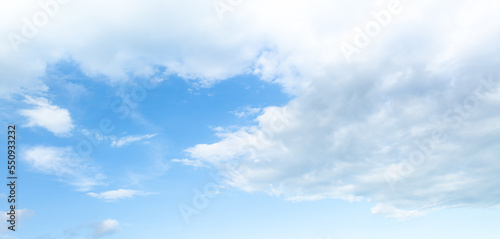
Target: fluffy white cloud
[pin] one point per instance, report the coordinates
(65, 164)
(130, 139)
(118, 194)
(410, 150)
(409, 125)
(281, 42)
(51, 117)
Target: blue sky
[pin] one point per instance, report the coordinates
(252, 119)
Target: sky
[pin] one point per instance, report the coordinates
(251, 119)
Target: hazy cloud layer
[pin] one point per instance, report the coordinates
(64, 163)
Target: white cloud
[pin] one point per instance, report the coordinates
(354, 125)
(245, 111)
(118, 194)
(188, 162)
(130, 139)
(65, 164)
(277, 41)
(95, 135)
(284, 43)
(393, 212)
(51, 117)
(346, 138)
(106, 228)
(289, 44)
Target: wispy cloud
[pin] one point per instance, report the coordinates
(21, 214)
(65, 164)
(91, 230)
(51, 117)
(189, 162)
(130, 139)
(391, 211)
(245, 111)
(105, 228)
(118, 194)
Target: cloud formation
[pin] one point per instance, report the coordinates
(65, 164)
(118, 194)
(51, 117)
(130, 139)
(246, 111)
(105, 228)
(411, 152)
(409, 125)
(188, 162)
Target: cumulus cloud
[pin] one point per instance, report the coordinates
(51, 117)
(64, 163)
(130, 139)
(214, 58)
(409, 150)
(118, 194)
(408, 125)
(281, 43)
